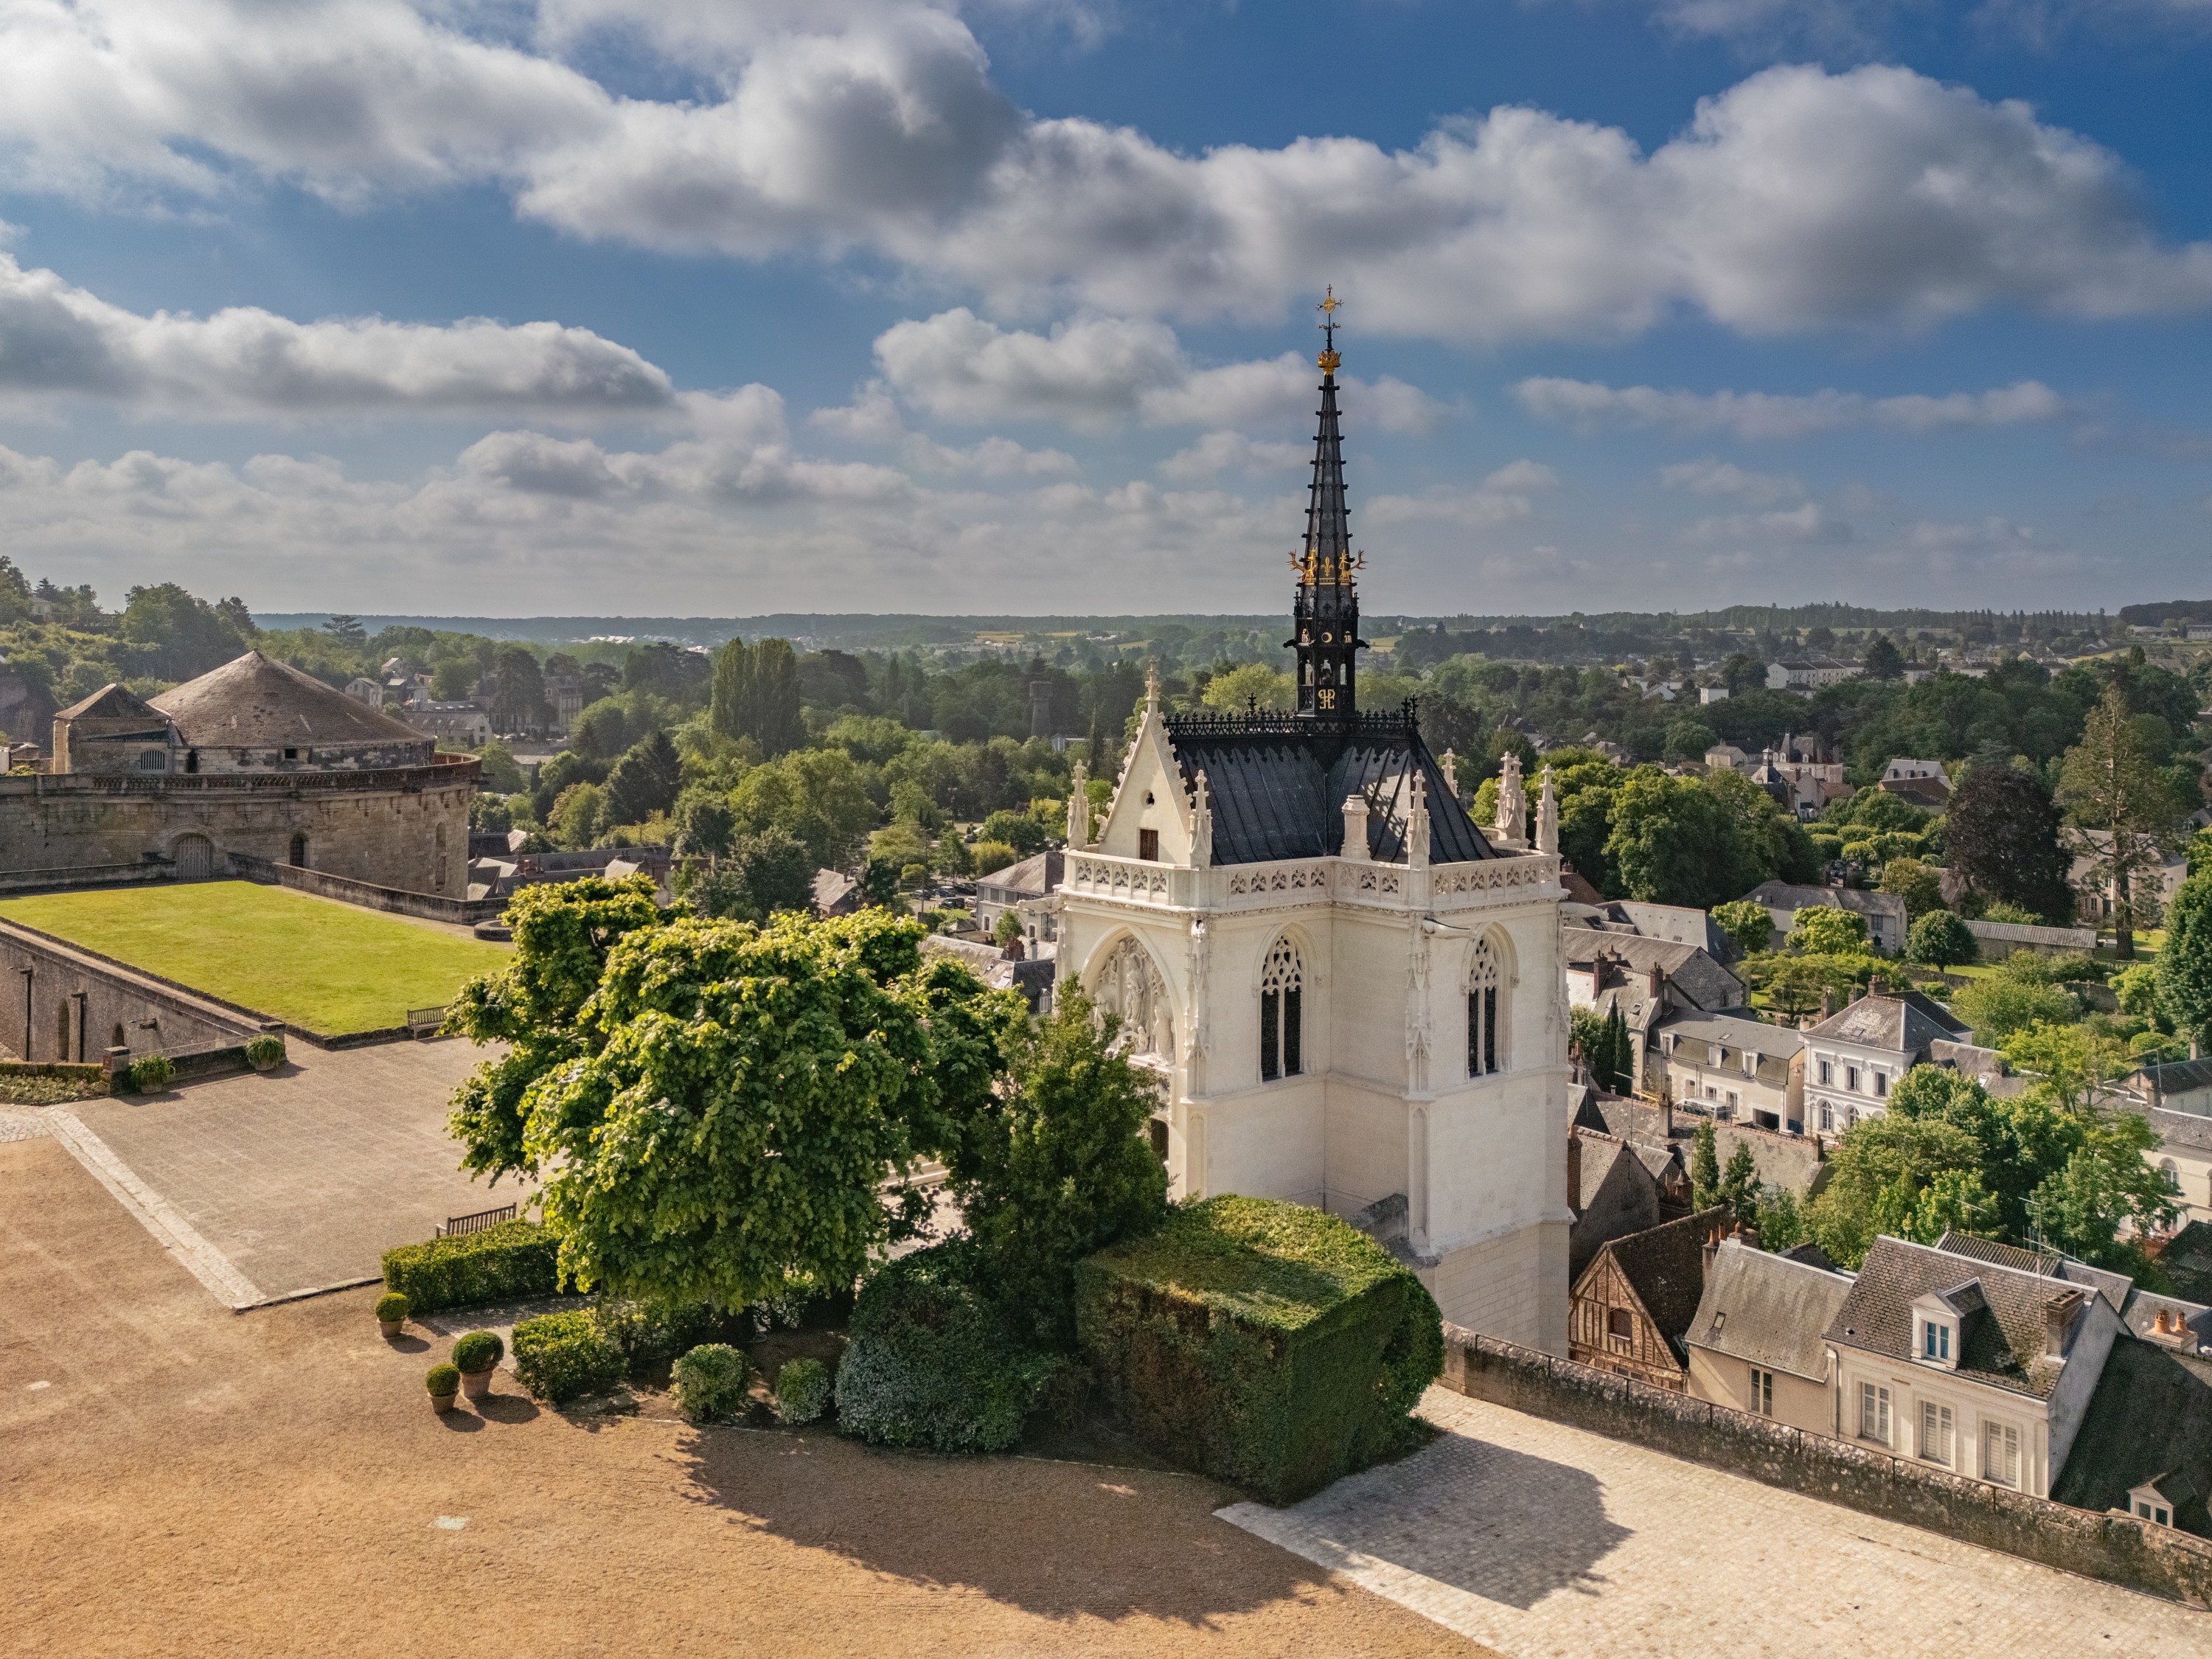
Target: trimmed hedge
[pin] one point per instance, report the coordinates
(562, 1355)
(653, 1334)
(515, 1259)
(710, 1383)
(932, 1362)
(1267, 1344)
(804, 1388)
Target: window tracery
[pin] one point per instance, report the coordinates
(1282, 999)
(1485, 1033)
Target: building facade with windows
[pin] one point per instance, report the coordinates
(1739, 1069)
(1758, 1342)
(1983, 1370)
(1855, 1057)
(1350, 995)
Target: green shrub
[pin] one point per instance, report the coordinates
(710, 1383)
(150, 1074)
(515, 1259)
(1269, 1344)
(652, 1335)
(392, 1306)
(479, 1351)
(443, 1379)
(803, 1390)
(265, 1051)
(932, 1362)
(562, 1355)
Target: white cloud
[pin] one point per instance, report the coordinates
(1097, 372)
(1590, 404)
(1807, 522)
(991, 457)
(1796, 200)
(1232, 452)
(1713, 477)
(1502, 498)
(60, 343)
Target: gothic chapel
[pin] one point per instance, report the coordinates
(1355, 999)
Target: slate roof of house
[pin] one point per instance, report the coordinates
(1768, 1309)
(2001, 1345)
(252, 701)
(1783, 1160)
(1691, 971)
(2177, 1075)
(1033, 877)
(1904, 1022)
(1787, 895)
(2179, 1129)
(2187, 1260)
(110, 702)
(1278, 783)
(2115, 1288)
(1774, 1045)
(2151, 1417)
(1679, 923)
(1666, 1264)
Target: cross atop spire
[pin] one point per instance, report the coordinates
(1329, 359)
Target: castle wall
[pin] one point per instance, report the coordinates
(80, 1004)
(407, 828)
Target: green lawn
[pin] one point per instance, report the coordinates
(308, 961)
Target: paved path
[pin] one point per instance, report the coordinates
(1540, 1540)
(264, 1187)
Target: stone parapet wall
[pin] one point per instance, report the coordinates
(2117, 1548)
(157, 1016)
(428, 907)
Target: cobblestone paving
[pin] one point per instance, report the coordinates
(1539, 1540)
(303, 1178)
(22, 1123)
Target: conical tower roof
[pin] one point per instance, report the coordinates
(252, 701)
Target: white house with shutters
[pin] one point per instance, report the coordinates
(1352, 996)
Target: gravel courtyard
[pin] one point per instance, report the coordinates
(180, 1479)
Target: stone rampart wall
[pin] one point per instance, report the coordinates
(405, 828)
(2116, 1548)
(155, 1016)
(429, 907)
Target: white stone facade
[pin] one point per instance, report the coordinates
(1384, 1089)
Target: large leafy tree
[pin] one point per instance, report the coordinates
(1053, 1166)
(645, 781)
(519, 690)
(1947, 1155)
(714, 1107)
(176, 636)
(2001, 839)
(1699, 842)
(2185, 966)
(2113, 784)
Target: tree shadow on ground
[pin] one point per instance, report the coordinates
(506, 1409)
(1062, 1540)
(1495, 1523)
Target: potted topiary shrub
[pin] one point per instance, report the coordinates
(265, 1053)
(475, 1354)
(392, 1312)
(444, 1381)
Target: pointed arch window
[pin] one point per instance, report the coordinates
(1282, 998)
(1486, 1035)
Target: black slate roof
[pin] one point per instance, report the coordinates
(2003, 1342)
(2150, 1416)
(1278, 784)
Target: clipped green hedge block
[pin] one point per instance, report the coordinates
(515, 1259)
(1259, 1341)
(559, 1355)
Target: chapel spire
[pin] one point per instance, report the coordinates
(1326, 608)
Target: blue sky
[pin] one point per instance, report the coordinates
(653, 307)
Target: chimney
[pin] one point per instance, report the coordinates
(1655, 981)
(1575, 1183)
(1666, 1115)
(1827, 1000)
(2058, 1316)
(1878, 985)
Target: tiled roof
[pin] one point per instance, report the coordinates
(1277, 785)
(1904, 1022)
(2002, 1346)
(1768, 1309)
(2115, 1288)
(252, 701)
(1691, 971)
(2176, 1076)
(2150, 1416)
(1786, 896)
(1036, 875)
(1666, 1264)
(110, 702)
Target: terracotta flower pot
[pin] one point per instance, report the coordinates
(476, 1384)
(391, 1328)
(441, 1403)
